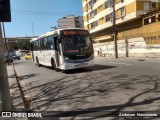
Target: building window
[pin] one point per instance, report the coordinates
(107, 4)
(107, 18)
(123, 12)
(146, 6)
(111, 2)
(93, 13)
(120, 13)
(92, 2)
(94, 24)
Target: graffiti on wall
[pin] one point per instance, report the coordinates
(123, 47)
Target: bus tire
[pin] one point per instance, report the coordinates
(53, 64)
(37, 62)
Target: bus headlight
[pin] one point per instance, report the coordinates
(66, 58)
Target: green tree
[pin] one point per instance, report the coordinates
(23, 44)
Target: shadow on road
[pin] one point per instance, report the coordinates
(97, 94)
(26, 76)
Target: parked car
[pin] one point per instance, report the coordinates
(28, 56)
(16, 57)
(8, 58)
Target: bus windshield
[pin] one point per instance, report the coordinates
(77, 45)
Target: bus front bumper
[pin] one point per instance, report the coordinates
(69, 66)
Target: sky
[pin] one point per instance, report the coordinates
(36, 17)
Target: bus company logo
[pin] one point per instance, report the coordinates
(6, 114)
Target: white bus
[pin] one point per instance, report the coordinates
(63, 49)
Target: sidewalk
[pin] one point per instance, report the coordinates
(15, 94)
(5, 101)
(132, 58)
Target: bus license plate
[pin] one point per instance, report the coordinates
(81, 65)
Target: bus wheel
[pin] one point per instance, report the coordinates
(53, 65)
(37, 62)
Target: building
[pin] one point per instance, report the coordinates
(98, 17)
(16, 43)
(71, 22)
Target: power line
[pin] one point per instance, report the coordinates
(43, 12)
(38, 11)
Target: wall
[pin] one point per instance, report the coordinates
(134, 47)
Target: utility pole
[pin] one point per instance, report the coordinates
(115, 31)
(4, 34)
(33, 29)
(5, 99)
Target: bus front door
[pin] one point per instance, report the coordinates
(57, 52)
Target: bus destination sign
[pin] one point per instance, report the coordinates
(75, 32)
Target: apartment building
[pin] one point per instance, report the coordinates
(98, 16)
(71, 22)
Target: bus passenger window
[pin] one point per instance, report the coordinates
(50, 43)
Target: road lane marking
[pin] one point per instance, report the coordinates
(121, 63)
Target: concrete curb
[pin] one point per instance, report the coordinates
(26, 96)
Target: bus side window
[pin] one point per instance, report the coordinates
(42, 44)
(50, 43)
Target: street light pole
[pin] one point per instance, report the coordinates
(115, 31)
(33, 29)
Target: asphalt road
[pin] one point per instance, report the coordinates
(124, 84)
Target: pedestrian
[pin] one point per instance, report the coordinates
(98, 53)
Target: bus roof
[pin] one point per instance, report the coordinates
(57, 31)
